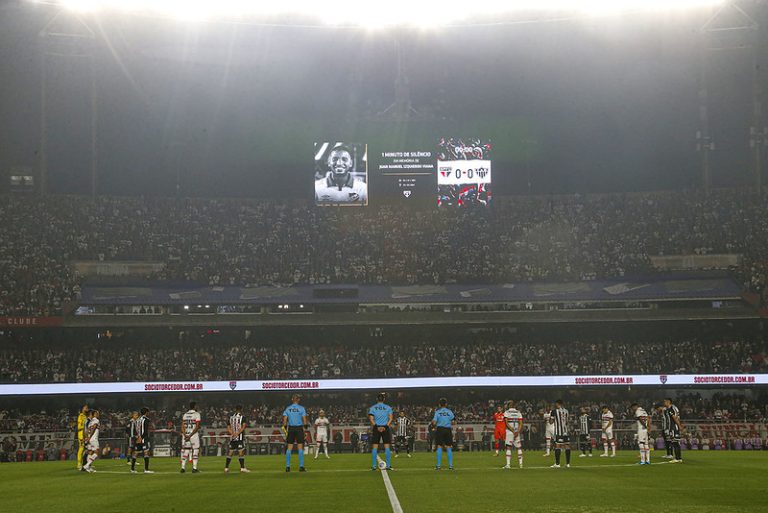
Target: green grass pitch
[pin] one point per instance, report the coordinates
(707, 482)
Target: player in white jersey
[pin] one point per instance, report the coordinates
(606, 436)
(190, 438)
(322, 433)
(92, 437)
(514, 425)
(549, 432)
(643, 426)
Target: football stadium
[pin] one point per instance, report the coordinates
(417, 256)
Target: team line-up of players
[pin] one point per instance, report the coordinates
(508, 430)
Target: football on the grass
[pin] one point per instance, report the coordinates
(382, 464)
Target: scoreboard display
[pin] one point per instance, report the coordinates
(463, 173)
(454, 173)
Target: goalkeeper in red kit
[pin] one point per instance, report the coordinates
(500, 428)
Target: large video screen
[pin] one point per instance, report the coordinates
(407, 176)
(463, 172)
(341, 174)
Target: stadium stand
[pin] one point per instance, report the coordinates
(249, 242)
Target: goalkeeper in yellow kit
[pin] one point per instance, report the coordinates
(81, 420)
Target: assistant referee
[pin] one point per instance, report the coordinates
(294, 421)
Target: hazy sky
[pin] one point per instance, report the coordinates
(600, 105)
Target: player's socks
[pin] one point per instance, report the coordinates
(146, 462)
(229, 460)
(450, 456)
(613, 448)
(439, 456)
(288, 458)
(242, 462)
(388, 456)
(549, 447)
(133, 463)
(301, 459)
(567, 456)
(509, 456)
(557, 456)
(325, 450)
(374, 455)
(677, 450)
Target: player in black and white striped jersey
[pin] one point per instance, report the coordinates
(236, 430)
(675, 427)
(559, 419)
(130, 431)
(403, 434)
(585, 442)
(660, 411)
(142, 443)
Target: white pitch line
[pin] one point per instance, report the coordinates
(393, 501)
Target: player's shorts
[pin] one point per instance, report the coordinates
(642, 437)
(672, 436)
(131, 444)
(444, 436)
(192, 443)
(500, 434)
(562, 439)
(401, 441)
(549, 433)
(236, 445)
(141, 447)
(322, 438)
(93, 446)
(607, 434)
(584, 439)
(512, 439)
(295, 435)
(384, 437)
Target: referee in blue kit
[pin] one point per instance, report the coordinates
(443, 421)
(294, 421)
(381, 416)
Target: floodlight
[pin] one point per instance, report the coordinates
(415, 13)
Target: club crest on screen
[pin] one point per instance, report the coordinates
(407, 194)
(232, 385)
(663, 379)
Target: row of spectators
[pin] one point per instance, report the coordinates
(248, 242)
(226, 361)
(718, 407)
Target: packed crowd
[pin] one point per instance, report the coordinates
(226, 361)
(248, 242)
